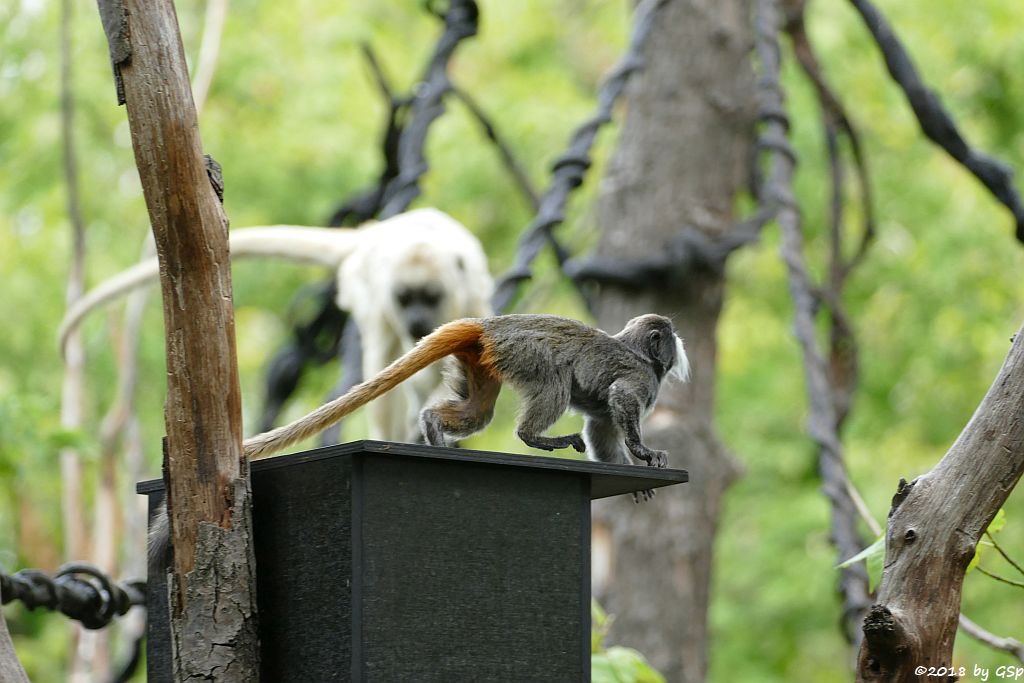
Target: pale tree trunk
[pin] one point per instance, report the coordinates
(682, 157)
(213, 598)
(73, 389)
(933, 529)
(72, 392)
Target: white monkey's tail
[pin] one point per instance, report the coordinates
(158, 541)
(319, 246)
(458, 335)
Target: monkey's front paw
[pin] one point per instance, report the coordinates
(654, 458)
(576, 441)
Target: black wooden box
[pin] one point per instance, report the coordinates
(385, 562)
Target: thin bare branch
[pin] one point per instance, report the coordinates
(209, 51)
(1001, 579)
(509, 159)
(1008, 645)
(378, 72)
(1002, 552)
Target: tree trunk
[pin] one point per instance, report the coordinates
(681, 159)
(934, 526)
(11, 670)
(213, 598)
(72, 408)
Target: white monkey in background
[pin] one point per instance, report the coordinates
(398, 286)
(399, 279)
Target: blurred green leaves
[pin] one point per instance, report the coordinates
(615, 664)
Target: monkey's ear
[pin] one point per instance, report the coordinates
(662, 347)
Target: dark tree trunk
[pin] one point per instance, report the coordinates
(934, 526)
(681, 160)
(213, 597)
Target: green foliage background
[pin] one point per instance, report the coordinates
(293, 118)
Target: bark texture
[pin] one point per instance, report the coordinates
(10, 668)
(934, 526)
(213, 611)
(682, 157)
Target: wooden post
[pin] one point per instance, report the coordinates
(212, 583)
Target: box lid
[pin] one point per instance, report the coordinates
(605, 479)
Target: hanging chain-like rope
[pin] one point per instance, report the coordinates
(776, 194)
(569, 169)
(936, 123)
(77, 590)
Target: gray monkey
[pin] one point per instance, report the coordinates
(554, 363)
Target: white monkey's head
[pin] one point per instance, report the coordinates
(426, 290)
(415, 271)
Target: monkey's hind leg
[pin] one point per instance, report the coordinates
(543, 403)
(476, 391)
(604, 441)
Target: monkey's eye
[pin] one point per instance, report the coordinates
(418, 296)
(430, 297)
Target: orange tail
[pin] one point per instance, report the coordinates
(453, 337)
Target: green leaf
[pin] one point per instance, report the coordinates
(875, 549)
(622, 665)
(998, 522)
(874, 555)
(599, 623)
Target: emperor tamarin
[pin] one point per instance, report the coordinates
(554, 363)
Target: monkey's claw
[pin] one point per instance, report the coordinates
(641, 496)
(576, 441)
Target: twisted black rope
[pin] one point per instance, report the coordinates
(935, 121)
(776, 195)
(317, 339)
(687, 252)
(366, 204)
(569, 169)
(461, 22)
(78, 590)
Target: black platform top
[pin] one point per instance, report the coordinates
(605, 480)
